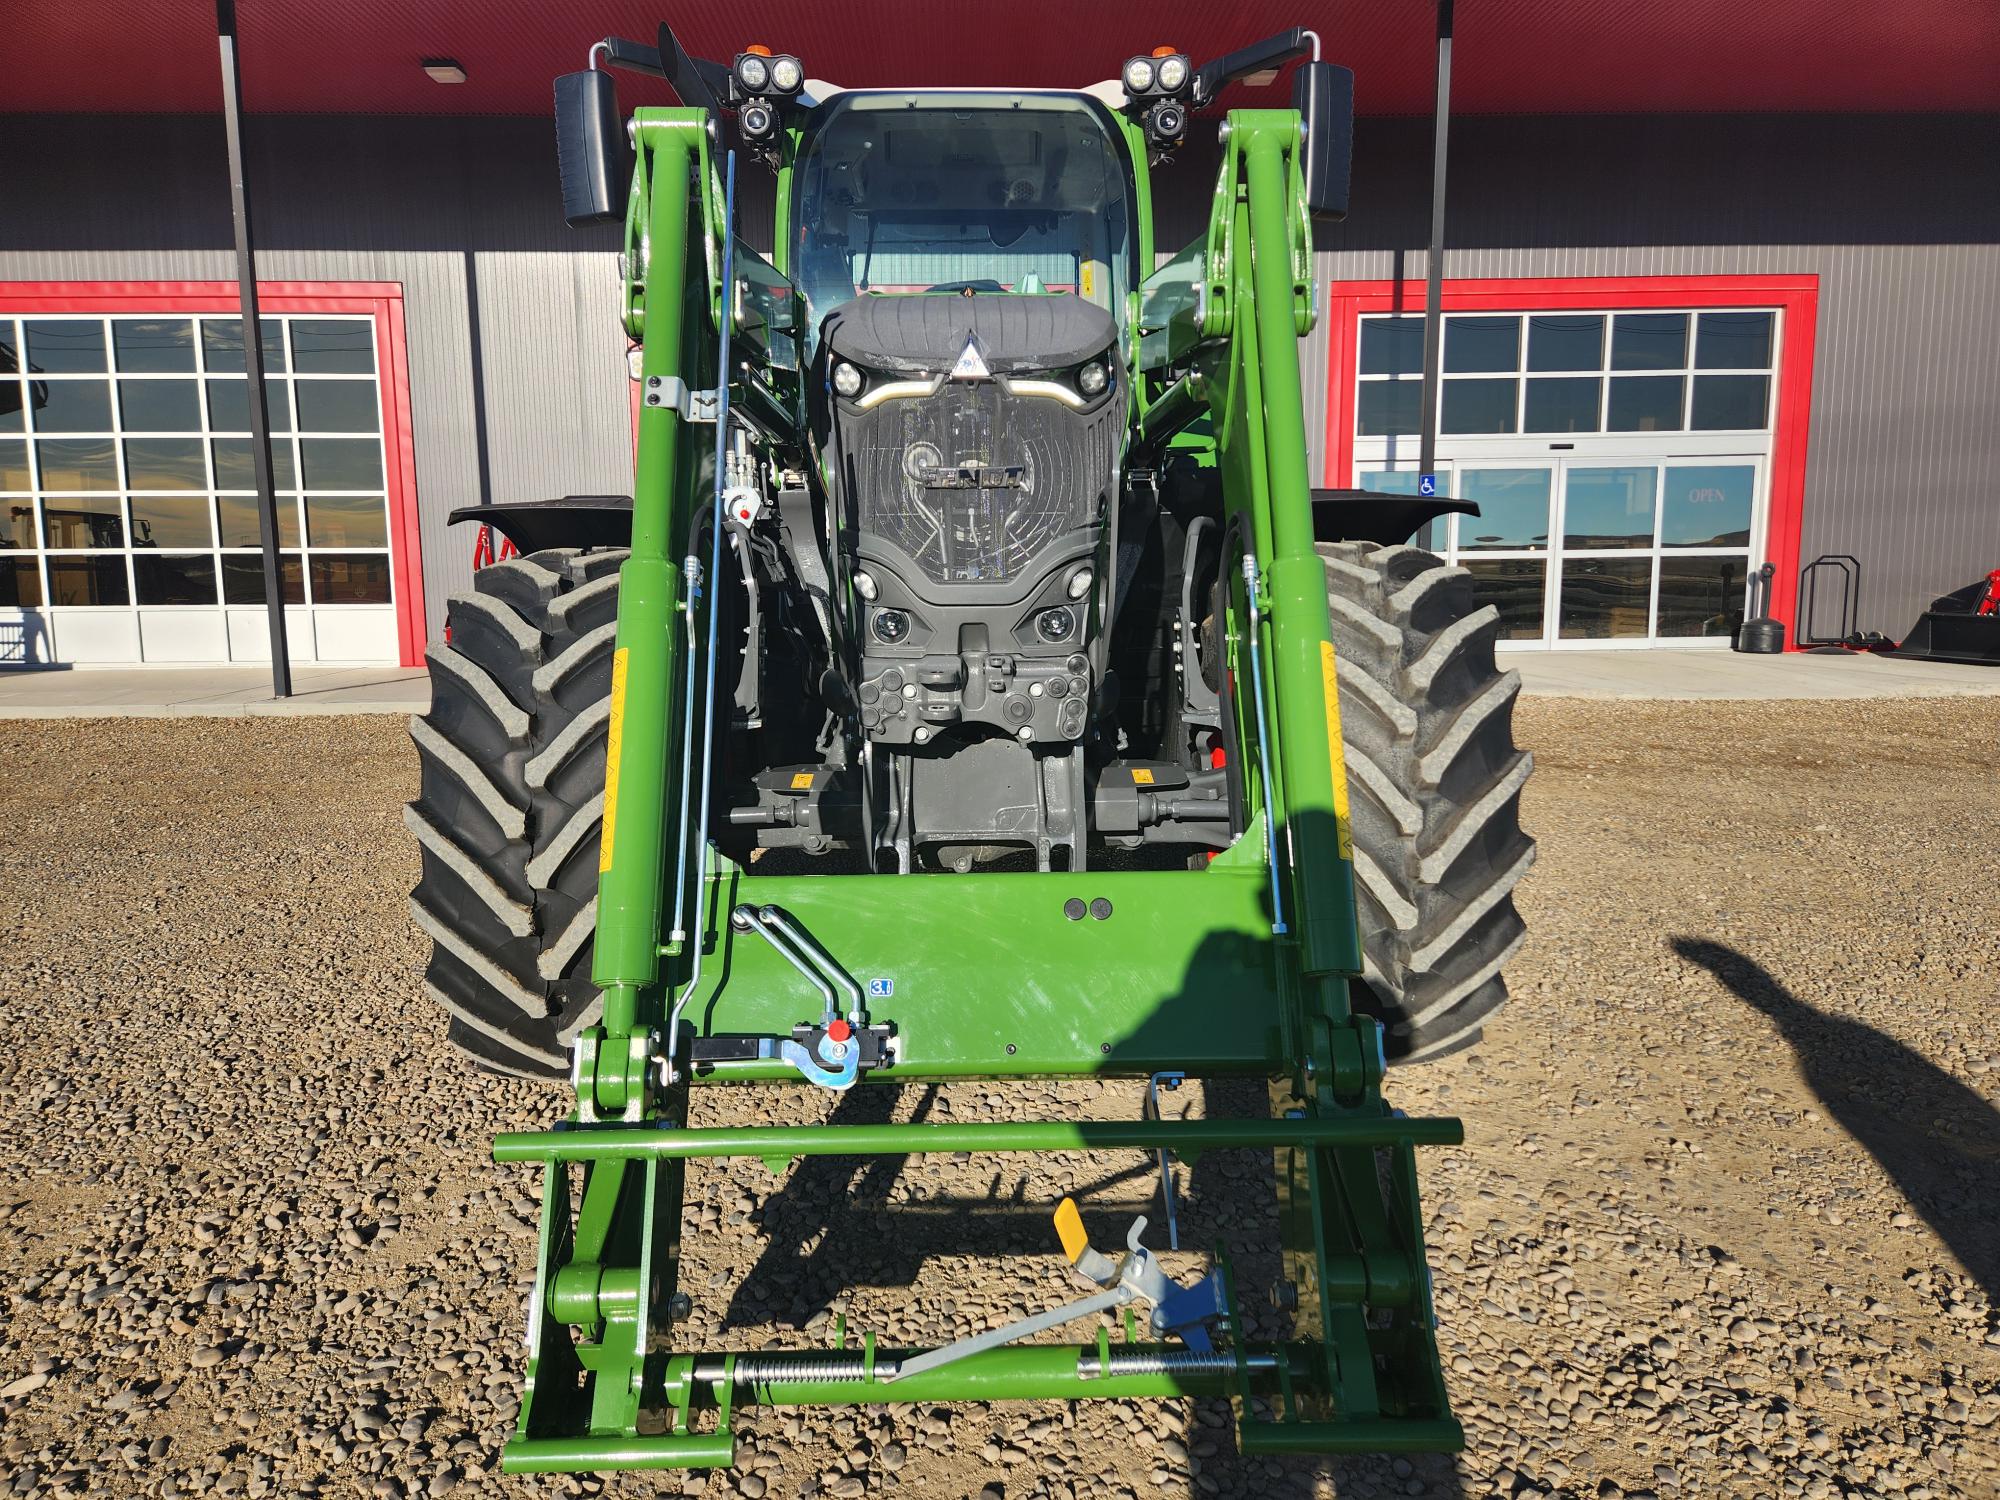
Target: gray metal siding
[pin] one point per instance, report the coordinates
(1898, 216)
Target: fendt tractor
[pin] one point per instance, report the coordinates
(973, 687)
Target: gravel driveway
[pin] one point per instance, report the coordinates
(1727, 1221)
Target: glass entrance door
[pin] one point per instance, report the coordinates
(1604, 552)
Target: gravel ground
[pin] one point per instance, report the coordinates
(1725, 1223)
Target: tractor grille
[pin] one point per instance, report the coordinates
(973, 483)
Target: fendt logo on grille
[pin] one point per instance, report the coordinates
(971, 363)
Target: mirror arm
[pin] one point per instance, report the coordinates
(1266, 56)
(633, 57)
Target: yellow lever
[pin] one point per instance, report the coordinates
(1069, 1229)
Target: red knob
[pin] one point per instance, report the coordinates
(838, 1030)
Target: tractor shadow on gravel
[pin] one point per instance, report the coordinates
(1937, 1139)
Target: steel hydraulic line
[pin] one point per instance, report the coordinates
(784, 940)
(691, 571)
(785, 922)
(672, 1039)
(1263, 741)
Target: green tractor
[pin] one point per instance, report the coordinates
(973, 687)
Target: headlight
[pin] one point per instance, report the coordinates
(847, 379)
(1172, 73)
(1054, 625)
(1079, 583)
(787, 77)
(1166, 123)
(1138, 75)
(891, 626)
(1091, 379)
(756, 120)
(753, 73)
(864, 584)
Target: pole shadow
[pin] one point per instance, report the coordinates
(1937, 1139)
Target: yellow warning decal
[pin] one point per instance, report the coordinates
(614, 741)
(1330, 685)
(1069, 1229)
(802, 781)
(1088, 278)
(1141, 776)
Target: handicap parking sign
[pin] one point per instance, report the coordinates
(1427, 484)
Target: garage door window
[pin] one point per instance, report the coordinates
(125, 466)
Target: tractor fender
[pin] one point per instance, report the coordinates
(572, 521)
(1377, 516)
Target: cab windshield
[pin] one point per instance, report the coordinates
(941, 192)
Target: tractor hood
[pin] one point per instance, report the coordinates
(925, 333)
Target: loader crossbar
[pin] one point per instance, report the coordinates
(670, 1143)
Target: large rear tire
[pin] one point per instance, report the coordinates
(511, 803)
(1434, 782)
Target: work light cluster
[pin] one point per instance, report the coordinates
(1159, 85)
(760, 82)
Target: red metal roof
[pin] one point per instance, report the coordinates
(1513, 56)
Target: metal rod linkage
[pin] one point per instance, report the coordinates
(1250, 582)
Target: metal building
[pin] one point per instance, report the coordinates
(1722, 288)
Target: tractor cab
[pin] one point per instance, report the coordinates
(968, 193)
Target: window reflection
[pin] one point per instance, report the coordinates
(1604, 598)
(240, 527)
(1609, 507)
(171, 521)
(1564, 341)
(1729, 402)
(1513, 509)
(154, 345)
(1562, 405)
(1469, 406)
(1515, 587)
(64, 345)
(1649, 341)
(243, 579)
(159, 406)
(73, 406)
(1481, 345)
(1707, 505)
(1392, 346)
(1645, 403)
(168, 579)
(1734, 341)
(1388, 408)
(88, 580)
(1701, 596)
(82, 521)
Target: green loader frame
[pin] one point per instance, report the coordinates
(1240, 969)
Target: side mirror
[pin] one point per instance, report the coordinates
(590, 149)
(1323, 94)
